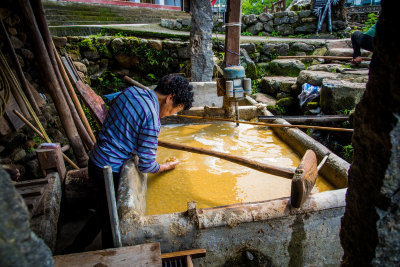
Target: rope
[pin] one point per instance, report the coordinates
(17, 85)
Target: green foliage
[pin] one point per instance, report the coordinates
(108, 83)
(255, 85)
(254, 6)
(275, 34)
(120, 34)
(372, 19)
(246, 33)
(93, 124)
(347, 152)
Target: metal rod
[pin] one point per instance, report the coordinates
(112, 205)
(270, 124)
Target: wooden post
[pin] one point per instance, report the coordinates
(42, 24)
(50, 156)
(232, 36)
(51, 82)
(232, 46)
(112, 205)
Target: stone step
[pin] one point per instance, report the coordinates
(274, 84)
(340, 52)
(75, 13)
(340, 43)
(286, 67)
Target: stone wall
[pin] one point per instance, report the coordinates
(148, 60)
(281, 23)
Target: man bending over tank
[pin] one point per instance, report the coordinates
(131, 128)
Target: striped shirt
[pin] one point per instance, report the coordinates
(131, 128)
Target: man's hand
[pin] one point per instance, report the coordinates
(356, 60)
(169, 165)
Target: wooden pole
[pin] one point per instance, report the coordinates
(112, 205)
(259, 166)
(271, 124)
(74, 97)
(18, 69)
(41, 20)
(51, 82)
(232, 48)
(135, 83)
(43, 137)
(232, 36)
(322, 57)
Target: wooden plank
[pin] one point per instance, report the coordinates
(194, 253)
(140, 255)
(305, 119)
(51, 158)
(94, 102)
(31, 191)
(33, 182)
(304, 179)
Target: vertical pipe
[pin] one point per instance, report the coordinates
(112, 205)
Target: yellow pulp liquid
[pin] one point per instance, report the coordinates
(211, 181)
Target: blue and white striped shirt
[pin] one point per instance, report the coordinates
(131, 128)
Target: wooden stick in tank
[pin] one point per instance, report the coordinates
(259, 166)
(271, 124)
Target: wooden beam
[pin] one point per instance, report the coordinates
(140, 255)
(305, 119)
(259, 166)
(195, 253)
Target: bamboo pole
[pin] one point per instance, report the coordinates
(263, 167)
(43, 137)
(322, 57)
(51, 82)
(270, 124)
(42, 24)
(74, 97)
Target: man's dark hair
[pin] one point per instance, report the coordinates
(178, 87)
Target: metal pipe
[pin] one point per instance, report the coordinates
(112, 205)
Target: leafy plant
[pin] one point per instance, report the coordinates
(246, 33)
(372, 19)
(275, 34)
(93, 124)
(348, 152)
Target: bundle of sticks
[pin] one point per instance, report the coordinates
(56, 82)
